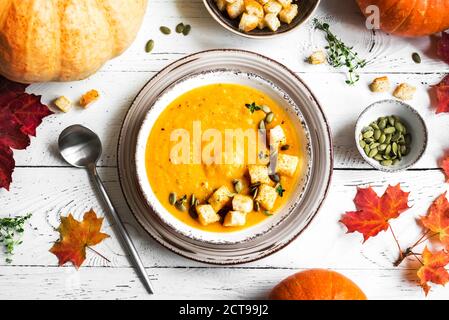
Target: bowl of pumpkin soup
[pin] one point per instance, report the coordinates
(223, 156)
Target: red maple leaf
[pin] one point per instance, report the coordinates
(444, 165)
(442, 92)
(437, 219)
(443, 47)
(374, 212)
(20, 114)
(433, 269)
(7, 164)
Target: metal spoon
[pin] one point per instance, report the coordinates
(81, 148)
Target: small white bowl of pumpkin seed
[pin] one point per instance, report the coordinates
(390, 135)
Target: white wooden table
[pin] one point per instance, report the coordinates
(45, 186)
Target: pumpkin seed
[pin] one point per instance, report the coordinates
(382, 138)
(180, 206)
(373, 152)
(369, 140)
(382, 123)
(238, 186)
(396, 137)
(366, 129)
(399, 127)
(180, 28)
(391, 120)
(374, 126)
(416, 57)
(396, 161)
(149, 46)
(262, 125)
(388, 150)
(265, 108)
(256, 191)
(368, 134)
(172, 198)
(285, 148)
(187, 29)
(386, 163)
(394, 148)
(374, 145)
(362, 144)
(165, 30)
(256, 206)
(390, 130)
(275, 178)
(367, 150)
(267, 213)
(377, 134)
(378, 157)
(382, 147)
(388, 139)
(269, 118)
(192, 200)
(386, 157)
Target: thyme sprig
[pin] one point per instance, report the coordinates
(341, 55)
(11, 230)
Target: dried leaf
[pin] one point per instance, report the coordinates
(75, 236)
(374, 212)
(444, 165)
(433, 269)
(437, 219)
(20, 115)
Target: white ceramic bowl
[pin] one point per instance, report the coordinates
(409, 116)
(207, 78)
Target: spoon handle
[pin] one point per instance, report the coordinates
(121, 228)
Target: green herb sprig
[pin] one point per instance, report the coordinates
(280, 190)
(253, 107)
(341, 55)
(11, 230)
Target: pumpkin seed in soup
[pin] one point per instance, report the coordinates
(172, 198)
(386, 140)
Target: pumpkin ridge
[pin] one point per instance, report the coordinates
(399, 25)
(106, 10)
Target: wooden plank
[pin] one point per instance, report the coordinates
(188, 283)
(50, 192)
(341, 103)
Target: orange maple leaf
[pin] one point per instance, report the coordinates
(433, 269)
(374, 212)
(437, 219)
(444, 165)
(75, 236)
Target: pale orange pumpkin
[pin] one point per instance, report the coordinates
(317, 284)
(410, 18)
(64, 40)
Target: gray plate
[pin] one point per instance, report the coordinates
(321, 149)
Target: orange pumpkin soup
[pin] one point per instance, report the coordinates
(230, 191)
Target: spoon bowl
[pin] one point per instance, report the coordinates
(79, 146)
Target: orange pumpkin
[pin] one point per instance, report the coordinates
(64, 40)
(410, 18)
(317, 284)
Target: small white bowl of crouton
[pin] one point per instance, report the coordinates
(260, 19)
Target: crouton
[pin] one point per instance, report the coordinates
(286, 3)
(89, 98)
(381, 84)
(220, 198)
(272, 22)
(221, 4)
(259, 174)
(64, 104)
(261, 23)
(286, 164)
(272, 7)
(230, 1)
(235, 9)
(235, 219)
(242, 203)
(206, 214)
(404, 92)
(288, 13)
(248, 22)
(318, 57)
(266, 196)
(262, 2)
(277, 136)
(254, 8)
